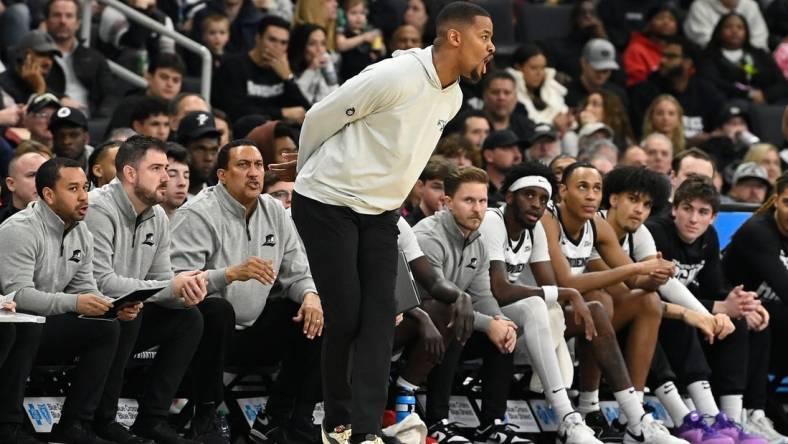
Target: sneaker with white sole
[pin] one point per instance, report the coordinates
(500, 432)
(372, 439)
(651, 432)
(762, 426)
(339, 435)
(446, 432)
(573, 430)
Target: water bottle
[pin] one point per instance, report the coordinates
(405, 405)
(329, 71)
(223, 426)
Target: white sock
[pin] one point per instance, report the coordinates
(631, 407)
(402, 382)
(669, 396)
(588, 402)
(700, 392)
(531, 315)
(731, 405)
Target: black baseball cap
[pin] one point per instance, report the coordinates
(38, 102)
(196, 125)
(39, 42)
(731, 111)
(66, 115)
(501, 139)
(542, 131)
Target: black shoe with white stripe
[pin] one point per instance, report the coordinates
(446, 432)
(267, 431)
(500, 432)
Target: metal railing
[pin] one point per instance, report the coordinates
(147, 22)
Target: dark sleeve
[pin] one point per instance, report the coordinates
(763, 262)
(770, 79)
(292, 96)
(711, 281)
(711, 71)
(640, 97)
(106, 100)
(611, 17)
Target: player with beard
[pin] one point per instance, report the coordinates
(581, 246)
(738, 365)
(132, 251)
(362, 149)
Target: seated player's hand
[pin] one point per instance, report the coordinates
(130, 313)
(261, 270)
(191, 286)
(657, 264)
(9, 306)
(461, 320)
(723, 325)
(433, 341)
(581, 312)
(758, 319)
(311, 314)
(286, 171)
(739, 302)
(702, 321)
(502, 333)
(398, 319)
(92, 305)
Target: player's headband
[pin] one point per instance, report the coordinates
(532, 181)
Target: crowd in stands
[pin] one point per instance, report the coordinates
(582, 175)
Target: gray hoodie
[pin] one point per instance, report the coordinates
(365, 145)
(210, 232)
(45, 265)
(463, 262)
(131, 251)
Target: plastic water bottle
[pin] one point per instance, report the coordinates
(223, 426)
(405, 405)
(329, 71)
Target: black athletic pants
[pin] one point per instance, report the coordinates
(408, 338)
(177, 333)
(353, 258)
(59, 341)
(681, 347)
(273, 338)
(496, 374)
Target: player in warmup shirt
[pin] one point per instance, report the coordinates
(739, 363)
(758, 258)
(362, 149)
(515, 239)
(574, 233)
(629, 195)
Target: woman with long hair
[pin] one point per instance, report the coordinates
(767, 156)
(311, 63)
(665, 115)
(605, 106)
(322, 13)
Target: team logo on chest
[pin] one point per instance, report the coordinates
(472, 263)
(269, 241)
(76, 256)
(148, 240)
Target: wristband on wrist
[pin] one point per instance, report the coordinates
(550, 293)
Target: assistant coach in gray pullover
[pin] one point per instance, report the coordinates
(245, 240)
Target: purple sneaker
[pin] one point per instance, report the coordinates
(695, 431)
(725, 426)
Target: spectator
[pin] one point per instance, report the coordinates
(634, 156)
(261, 81)
(543, 145)
(474, 125)
(278, 189)
(622, 17)
(35, 57)
(215, 36)
(644, 51)
(358, 43)
(776, 15)
(21, 182)
(458, 150)
(183, 104)
(165, 79)
(659, 149)
(131, 43)
(690, 162)
(419, 15)
(596, 66)
(122, 134)
(750, 185)
(602, 154)
(564, 53)
(605, 107)
(244, 17)
(39, 111)
(312, 65)
(15, 21)
(767, 156)
(198, 133)
(322, 13)
(501, 151)
(178, 161)
(275, 139)
(665, 116)
(704, 15)
(149, 118)
(429, 188)
(500, 102)
(700, 101)
(737, 68)
(82, 74)
(537, 88)
(70, 135)
(223, 125)
(101, 163)
(730, 140)
(405, 37)
(590, 133)
(558, 165)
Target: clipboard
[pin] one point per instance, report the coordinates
(406, 294)
(124, 301)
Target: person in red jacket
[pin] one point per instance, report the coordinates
(644, 51)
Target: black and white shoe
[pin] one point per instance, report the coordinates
(446, 432)
(607, 433)
(266, 431)
(500, 432)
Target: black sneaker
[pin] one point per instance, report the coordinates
(159, 430)
(265, 430)
(205, 429)
(446, 432)
(500, 432)
(303, 431)
(117, 432)
(16, 434)
(605, 432)
(76, 432)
